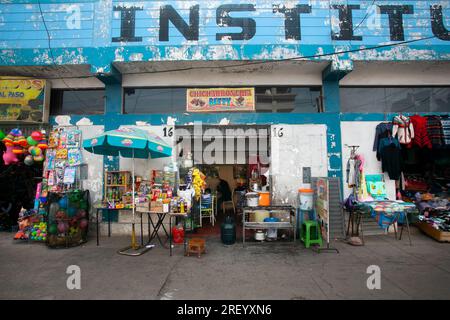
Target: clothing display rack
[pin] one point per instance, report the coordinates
(352, 168)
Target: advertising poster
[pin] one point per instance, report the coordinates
(23, 100)
(322, 207)
(220, 100)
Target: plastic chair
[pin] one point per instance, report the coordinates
(228, 205)
(306, 236)
(207, 208)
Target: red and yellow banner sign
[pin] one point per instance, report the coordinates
(220, 100)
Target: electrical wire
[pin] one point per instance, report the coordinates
(250, 63)
(298, 58)
(365, 17)
(247, 63)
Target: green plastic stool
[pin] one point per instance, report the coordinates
(306, 233)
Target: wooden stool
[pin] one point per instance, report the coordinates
(197, 246)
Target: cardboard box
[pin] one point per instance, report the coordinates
(127, 199)
(143, 206)
(156, 206)
(438, 235)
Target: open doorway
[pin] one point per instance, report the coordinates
(234, 159)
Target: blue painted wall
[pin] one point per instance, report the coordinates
(82, 32)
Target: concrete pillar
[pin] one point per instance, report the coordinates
(331, 75)
(113, 110)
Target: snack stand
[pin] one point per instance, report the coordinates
(160, 204)
(129, 143)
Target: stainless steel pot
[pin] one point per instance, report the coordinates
(252, 199)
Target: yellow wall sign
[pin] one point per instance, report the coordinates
(220, 100)
(23, 99)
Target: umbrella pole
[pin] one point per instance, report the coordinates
(133, 231)
(134, 245)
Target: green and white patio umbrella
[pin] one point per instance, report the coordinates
(129, 142)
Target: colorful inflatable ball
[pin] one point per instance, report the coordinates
(62, 227)
(81, 213)
(83, 205)
(63, 202)
(72, 211)
(28, 160)
(16, 132)
(2, 135)
(83, 224)
(73, 230)
(39, 232)
(61, 214)
(31, 141)
(38, 158)
(36, 136)
(73, 222)
(35, 151)
(53, 229)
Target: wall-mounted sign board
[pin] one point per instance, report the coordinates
(23, 99)
(220, 100)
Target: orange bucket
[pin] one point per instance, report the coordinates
(264, 199)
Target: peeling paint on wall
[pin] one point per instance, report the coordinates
(84, 122)
(92, 42)
(63, 120)
(224, 121)
(171, 121)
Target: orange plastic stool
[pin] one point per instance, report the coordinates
(196, 246)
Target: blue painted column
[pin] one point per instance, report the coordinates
(331, 75)
(113, 110)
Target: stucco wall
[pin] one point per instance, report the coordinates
(362, 133)
(299, 146)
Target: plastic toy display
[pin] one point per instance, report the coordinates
(60, 215)
(32, 226)
(63, 159)
(68, 219)
(20, 148)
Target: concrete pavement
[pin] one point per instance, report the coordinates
(258, 271)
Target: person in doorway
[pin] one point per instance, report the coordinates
(224, 188)
(223, 192)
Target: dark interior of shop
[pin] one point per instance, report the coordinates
(18, 187)
(425, 170)
(18, 181)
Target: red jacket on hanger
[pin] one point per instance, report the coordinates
(421, 138)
